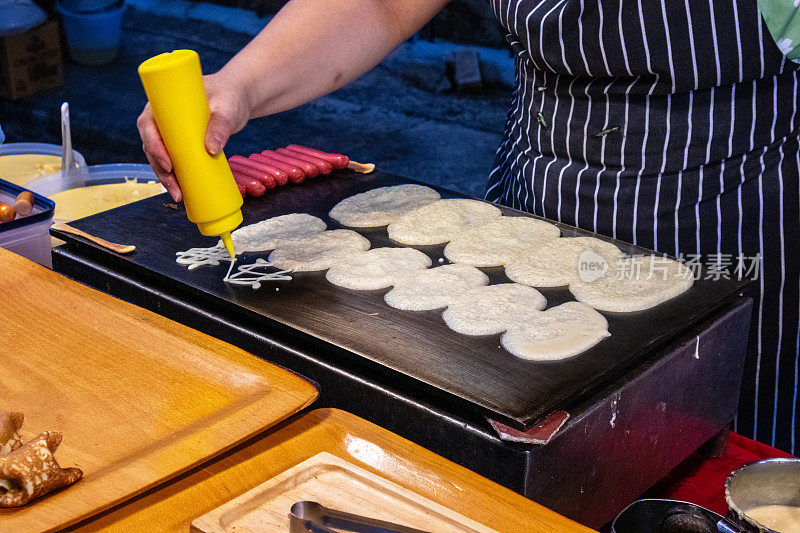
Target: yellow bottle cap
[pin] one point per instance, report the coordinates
(228, 242)
(222, 228)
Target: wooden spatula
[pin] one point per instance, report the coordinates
(114, 247)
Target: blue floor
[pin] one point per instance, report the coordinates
(383, 117)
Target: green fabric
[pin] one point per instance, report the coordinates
(783, 20)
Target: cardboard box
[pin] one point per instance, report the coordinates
(31, 61)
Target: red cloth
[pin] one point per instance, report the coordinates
(701, 480)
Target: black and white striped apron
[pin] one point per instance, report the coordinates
(670, 124)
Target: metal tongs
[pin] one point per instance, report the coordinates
(305, 517)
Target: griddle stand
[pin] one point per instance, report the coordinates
(619, 441)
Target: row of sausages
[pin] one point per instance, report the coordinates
(259, 172)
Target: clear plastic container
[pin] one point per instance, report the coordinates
(27, 236)
(96, 199)
(53, 153)
(93, 175)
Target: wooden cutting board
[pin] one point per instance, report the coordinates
(137, 397)
(336, 484)
(173, 506)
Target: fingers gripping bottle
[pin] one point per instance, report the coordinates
(174, 85)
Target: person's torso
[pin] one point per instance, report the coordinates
(647, 87)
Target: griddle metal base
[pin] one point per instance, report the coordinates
(618, 442)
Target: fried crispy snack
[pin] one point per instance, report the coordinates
(31, 471)
(10, 423)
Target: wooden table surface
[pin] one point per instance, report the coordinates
(138, 398)
(173, 506)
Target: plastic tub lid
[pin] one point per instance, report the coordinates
(117, 171)
(44, 208)
(94, 175)
(39, 149)
(19, 16)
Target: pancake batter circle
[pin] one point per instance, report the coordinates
(268, 234)
(377, 268)
(493, 309)
(441, 221)
(556, 262)
(635, 284)
(433, 288)
(499, 241)
(317, 252)
(558, 333)
(382, 206)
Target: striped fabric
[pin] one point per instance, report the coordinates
(671, 125)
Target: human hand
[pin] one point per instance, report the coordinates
(230, 111)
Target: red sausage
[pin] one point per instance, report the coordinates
(280, 176)
(309, 169)
(263, 177)
(336, 160)
(242, 189)
(295, 173)
(277, 174)
(238, 158)
(324, 167)
(251, 185)
(243, 168)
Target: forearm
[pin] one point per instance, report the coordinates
(313, 47)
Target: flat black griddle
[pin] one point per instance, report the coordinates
(358, 325)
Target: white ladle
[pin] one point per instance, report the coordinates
(67, 157)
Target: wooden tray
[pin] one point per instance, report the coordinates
(357, 330)
(138, 398)
(174, 505)
(338, 484)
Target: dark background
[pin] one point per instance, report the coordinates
(393, 116)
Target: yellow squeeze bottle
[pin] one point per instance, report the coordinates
(174, 85)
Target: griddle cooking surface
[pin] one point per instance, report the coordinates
(407, 344)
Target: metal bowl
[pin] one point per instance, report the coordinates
(670, 516)
(767, 482)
